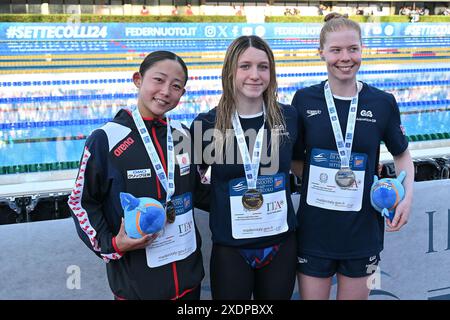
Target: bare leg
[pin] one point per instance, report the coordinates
(352, 288)
(313, 288)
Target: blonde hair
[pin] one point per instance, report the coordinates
(227, 104)
(335, 22)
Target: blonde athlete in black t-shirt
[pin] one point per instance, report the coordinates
(341, 125)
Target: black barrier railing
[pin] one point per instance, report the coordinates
(425, 169)
(34, 208)
(444, 163)
(296, 184)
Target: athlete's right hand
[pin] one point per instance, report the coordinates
(125, 243)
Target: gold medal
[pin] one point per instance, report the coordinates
(252, 200)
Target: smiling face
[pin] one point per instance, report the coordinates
(342, 53)
(252, 75)
(160, 88)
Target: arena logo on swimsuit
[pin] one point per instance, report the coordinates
(123, 146)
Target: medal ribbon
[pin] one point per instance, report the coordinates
(251, 166)
(344, 148)
(166, 181)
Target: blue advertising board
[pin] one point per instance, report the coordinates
(130, 31)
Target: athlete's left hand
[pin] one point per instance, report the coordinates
(401, 216)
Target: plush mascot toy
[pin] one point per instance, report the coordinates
(386, 194)
(142, 215)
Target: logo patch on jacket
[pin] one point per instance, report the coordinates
(312, 113)
(139, 173)
(184, 163)
(123, 146)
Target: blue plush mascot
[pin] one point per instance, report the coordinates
(142, 215)
(386, 194)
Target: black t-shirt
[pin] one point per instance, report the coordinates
(222, 174)
(344, 234)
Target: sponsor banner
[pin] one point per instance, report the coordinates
(405, 30)
(93, 31)
(414, 262)
(72, 31)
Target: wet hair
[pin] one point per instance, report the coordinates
(336, 22)
(227, 103)
(161, 55)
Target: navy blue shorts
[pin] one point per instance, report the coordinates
(326, 268)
